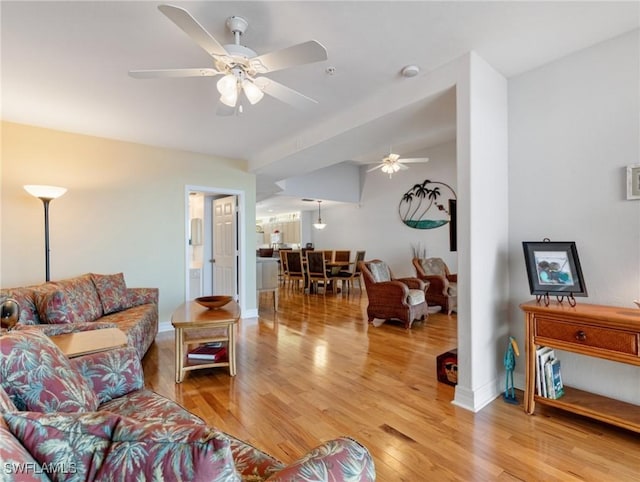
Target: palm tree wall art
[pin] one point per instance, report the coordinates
(421, 207)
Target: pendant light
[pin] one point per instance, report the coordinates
(319, 224)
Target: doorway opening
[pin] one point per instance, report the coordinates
(214, 242)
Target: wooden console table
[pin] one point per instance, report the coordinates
(196, 325)
(608, 332)
(93, 341)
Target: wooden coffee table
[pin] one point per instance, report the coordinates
(92, 341)
(196, 325)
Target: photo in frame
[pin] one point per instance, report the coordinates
(633, 182)
(553, 268)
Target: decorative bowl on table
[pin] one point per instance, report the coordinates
(213, 302)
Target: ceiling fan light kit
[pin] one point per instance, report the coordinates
(239, 66)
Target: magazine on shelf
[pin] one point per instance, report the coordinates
(548, 376)
(210, 351)
(539, 352)
(556, 379)
(544, 357)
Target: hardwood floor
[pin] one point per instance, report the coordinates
(316, 370)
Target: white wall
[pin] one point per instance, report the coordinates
(375, 225)
(124, 210)
(573, 127)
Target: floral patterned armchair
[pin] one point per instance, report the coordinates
(393, 298)
(443, 286)
(90, 418)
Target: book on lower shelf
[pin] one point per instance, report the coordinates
(548, 374)
(210, 352)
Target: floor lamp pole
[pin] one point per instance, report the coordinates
(46, 202)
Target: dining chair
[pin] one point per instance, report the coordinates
(317, 272)
(353, 271)
(328, 255)
(341, 255)
(294, 266)
(284, 271)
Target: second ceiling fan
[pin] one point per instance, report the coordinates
(240, 67)
(393, 163)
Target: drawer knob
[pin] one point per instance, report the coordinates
(581, 336)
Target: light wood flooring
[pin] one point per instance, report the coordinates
(316, 370)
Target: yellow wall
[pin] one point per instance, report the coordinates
(124, 210)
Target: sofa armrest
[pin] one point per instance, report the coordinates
(64, 328)
(112, 373)
(341, 459)
(142, 296)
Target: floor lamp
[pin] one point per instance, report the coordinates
(46, 194)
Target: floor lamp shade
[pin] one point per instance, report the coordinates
(46, 194)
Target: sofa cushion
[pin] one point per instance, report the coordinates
(38, 376)
(112, 291)
(54, 308)
(108, 446)
(415, 297)
(82, 297)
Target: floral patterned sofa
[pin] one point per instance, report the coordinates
(90, 418)
(89, 302)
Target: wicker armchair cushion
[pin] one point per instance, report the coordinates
(433, 266)
(453, 289)
(415, 297)
(380, 271)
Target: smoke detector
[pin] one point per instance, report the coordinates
(410, 71)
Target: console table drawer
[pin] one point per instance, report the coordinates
(587, 335)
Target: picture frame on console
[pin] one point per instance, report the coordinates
(553, 268)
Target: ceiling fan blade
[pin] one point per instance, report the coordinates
(417, 159)
(401, 166)
(169, 73)
(374, 168)
(304, 53)
(284, 93)
(193, 29)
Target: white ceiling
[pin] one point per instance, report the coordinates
(64, 66)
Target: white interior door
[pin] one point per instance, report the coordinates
(225, 252)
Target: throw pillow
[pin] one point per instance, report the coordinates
(379, 271)
(53, 307)
(38, 376)
(106, 446)
(112, 291)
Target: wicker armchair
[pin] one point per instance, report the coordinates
(443, 286)
(393, 298)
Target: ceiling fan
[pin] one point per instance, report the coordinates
(239, 66)
(393, 163)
